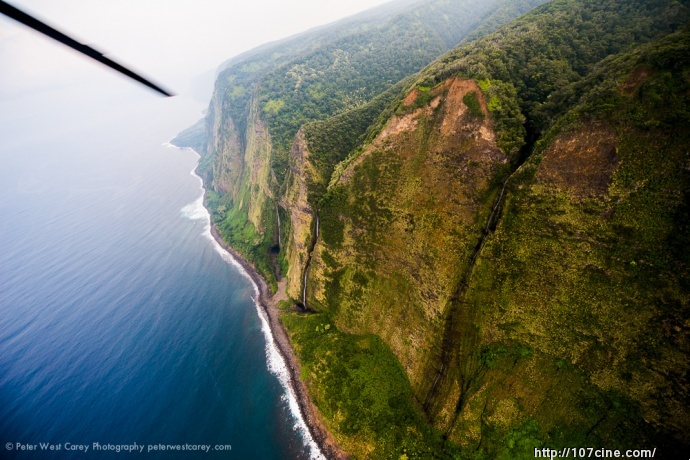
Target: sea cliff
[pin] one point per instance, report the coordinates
(477, 257)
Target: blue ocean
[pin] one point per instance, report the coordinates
(125, 331)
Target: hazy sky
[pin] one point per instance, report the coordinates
(170, 41)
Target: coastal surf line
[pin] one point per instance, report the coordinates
(274, 359)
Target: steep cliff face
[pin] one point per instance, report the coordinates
(299, 239)
(258, 175)
(228, 164)
(492, 254)
(585, 269)
(402, 221)
(516, 303)
(263, 98)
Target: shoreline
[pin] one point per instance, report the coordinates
(321, 436)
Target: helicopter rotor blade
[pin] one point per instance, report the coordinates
(30, 21)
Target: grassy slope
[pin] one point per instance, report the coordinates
(360, 389)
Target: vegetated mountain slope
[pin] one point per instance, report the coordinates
(263, 98)
(581, 295)
(546, 310)
(493, 253)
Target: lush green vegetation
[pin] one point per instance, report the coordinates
(604, 266)
(331, 141)
(473, 106)
(544, 53)
(240, 234)
(362, 391)
(337, 70)
(502, 15)
(354, 69)
(562, 323)
(193, 137)
(619, 302)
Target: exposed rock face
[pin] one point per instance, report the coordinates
(581, 162)
(257, 161)
(229, 165)
(224, 148)
(298, 242)
(410, 215)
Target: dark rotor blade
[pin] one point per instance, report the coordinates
(30, 21)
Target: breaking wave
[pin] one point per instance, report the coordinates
(274, 360)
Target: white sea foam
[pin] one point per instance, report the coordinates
(195, 210)
(274, 360)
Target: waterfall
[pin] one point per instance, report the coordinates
(306, 266)
(278, 215)
(304, 288)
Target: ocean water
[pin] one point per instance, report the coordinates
(121, 321)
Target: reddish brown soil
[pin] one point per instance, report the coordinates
(581, 161)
